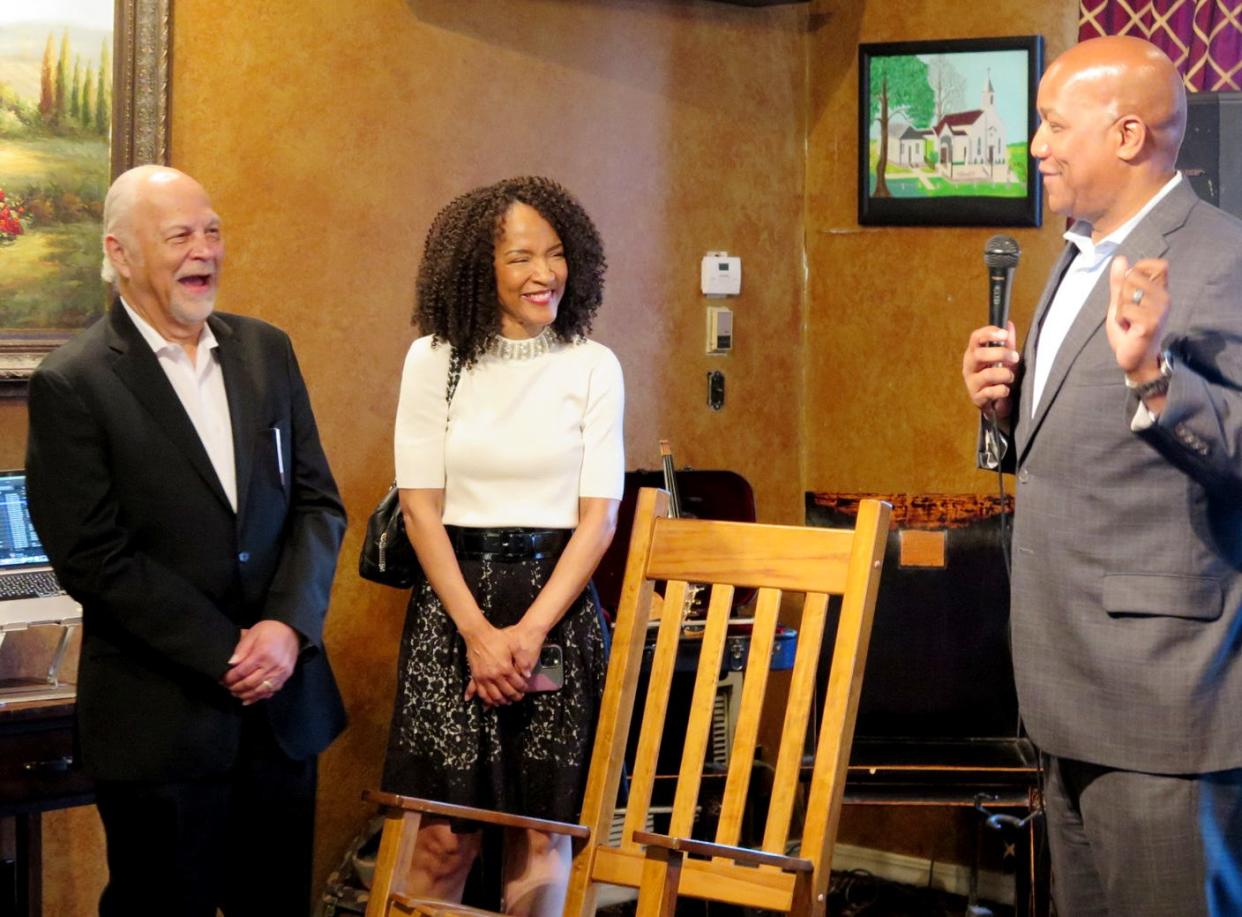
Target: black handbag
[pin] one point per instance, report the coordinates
(387, 557)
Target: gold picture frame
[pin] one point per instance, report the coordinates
(141, 82)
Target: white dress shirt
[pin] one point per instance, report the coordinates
(1084, 272)
(199, 384)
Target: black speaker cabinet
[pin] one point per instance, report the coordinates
(1211, 155)
(939, 665)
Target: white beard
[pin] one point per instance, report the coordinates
(192, 313)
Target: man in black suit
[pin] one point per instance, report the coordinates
(177, 480)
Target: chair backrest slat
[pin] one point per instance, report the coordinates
(655, 708)
(797, 715)
(702, 705)
(750, 710)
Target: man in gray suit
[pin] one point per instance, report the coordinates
(1126, 416)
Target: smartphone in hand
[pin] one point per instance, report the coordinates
(549, 672)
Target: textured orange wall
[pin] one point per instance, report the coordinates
(12, 433)
(890, 308)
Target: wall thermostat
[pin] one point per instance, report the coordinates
(721, 274)
(719, 329)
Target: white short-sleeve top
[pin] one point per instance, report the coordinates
(534, 425)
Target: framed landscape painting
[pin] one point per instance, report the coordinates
(944, 132)
(83, 96)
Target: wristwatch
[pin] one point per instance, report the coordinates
(1156, 386)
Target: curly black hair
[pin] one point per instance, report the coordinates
(457, 301)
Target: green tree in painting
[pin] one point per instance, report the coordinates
(103, 98)
(75, 90)
(62, 78)
(47, 98)
(898, 86)
(87, 113)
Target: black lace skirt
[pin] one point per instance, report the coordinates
(530, 757)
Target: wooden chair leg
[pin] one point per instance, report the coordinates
(392, 862)
(657, 896)
(805, 903)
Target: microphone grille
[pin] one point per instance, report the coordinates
(1001, 251)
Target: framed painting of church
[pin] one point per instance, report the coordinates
(83, 97)
(944, 132)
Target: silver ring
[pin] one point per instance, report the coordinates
(1136, 297)
(267, 684)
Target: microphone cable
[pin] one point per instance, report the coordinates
(1005, 529)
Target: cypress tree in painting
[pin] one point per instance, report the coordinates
(88, 110)
(62, 78)
(47, 98)
(75, 89)
(103, 97)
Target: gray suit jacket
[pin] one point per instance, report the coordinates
(1127, 547)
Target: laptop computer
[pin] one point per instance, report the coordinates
(29, 592)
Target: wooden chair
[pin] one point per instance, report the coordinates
(775, 559)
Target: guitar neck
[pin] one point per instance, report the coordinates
(670, 478)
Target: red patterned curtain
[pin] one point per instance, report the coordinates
(1203, 37)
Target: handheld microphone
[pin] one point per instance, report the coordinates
(1000, 254)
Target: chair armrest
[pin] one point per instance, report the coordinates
(469, 813)
(742, 855)
(411, 904)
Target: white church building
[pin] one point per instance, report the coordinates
(971, 144)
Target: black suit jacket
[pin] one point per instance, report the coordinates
(140, 532)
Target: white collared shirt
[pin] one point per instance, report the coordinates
(1084, 272)
(199, 385)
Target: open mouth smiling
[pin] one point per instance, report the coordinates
(195, 281)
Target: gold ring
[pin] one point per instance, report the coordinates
(271, 687)
(1136, 297)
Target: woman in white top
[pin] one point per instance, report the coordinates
(510, 462)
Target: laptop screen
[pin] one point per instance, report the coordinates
(19, 545)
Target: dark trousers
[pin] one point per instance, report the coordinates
(240, 841)
(1125, 844)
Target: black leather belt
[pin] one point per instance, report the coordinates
(507, 544)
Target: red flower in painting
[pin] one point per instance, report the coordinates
(13, 219)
